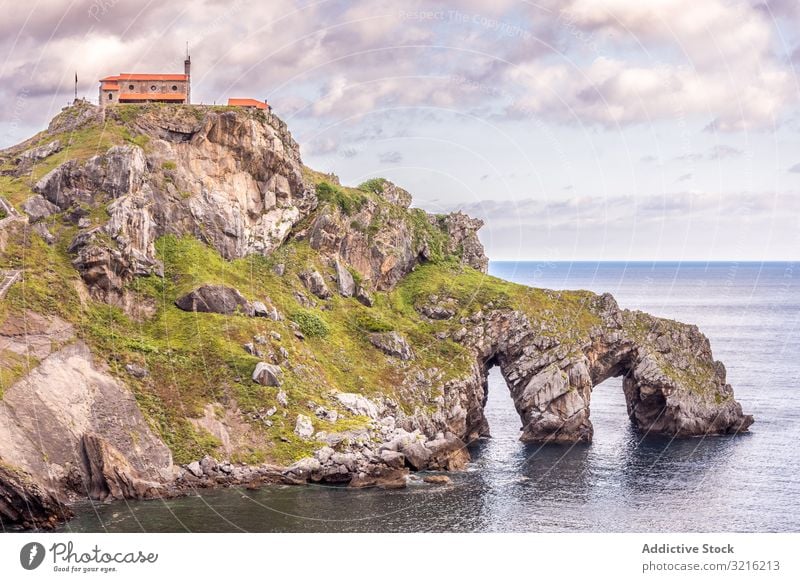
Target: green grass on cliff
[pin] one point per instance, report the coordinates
(92, 139)
(565, 314)
(197, 359)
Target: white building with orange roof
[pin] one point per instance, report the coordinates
(147, 87)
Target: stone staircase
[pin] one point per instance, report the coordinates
(7, 279)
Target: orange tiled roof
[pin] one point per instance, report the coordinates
(110, 86)
(144, 77)
(152, 96)
(247, 103)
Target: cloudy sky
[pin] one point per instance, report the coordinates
(577, 129)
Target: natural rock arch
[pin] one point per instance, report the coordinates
(671, 383)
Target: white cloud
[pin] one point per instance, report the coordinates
(612, 92)
(662, 59)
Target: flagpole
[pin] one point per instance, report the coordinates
(76, 85)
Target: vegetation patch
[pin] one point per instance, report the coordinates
(12, 367)
(375, 185)
(311, 324)
(349, 201)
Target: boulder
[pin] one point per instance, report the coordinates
(345, 281)
(315, 283)
(215, 299)
(137, 371)
(303, 469)
(380, 477)
(437, 311)
(268, 375)
(358, 404)
(40, 229)
(251, 349)
(209, 465)
(363, 297)
(437, 479)
(38, 208)
(303, 427)
(324, 454)
(392, 344)
(326, 414)
(282, 398)
(416, 454)
(448, 452)
(393, 459)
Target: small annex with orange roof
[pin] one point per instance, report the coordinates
(250, 103)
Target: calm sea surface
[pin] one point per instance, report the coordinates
(618, 483)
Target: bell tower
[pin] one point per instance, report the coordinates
(187, 66)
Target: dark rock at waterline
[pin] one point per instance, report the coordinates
(437, 479)
(382, 478)
(111, 475)
(26, 504)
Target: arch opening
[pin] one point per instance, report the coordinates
(552, 399)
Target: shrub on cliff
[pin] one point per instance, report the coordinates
(348, 201)
(311, 324)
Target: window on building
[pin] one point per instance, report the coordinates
(130, 87)
(152, 87)
(110, 96)
(174, 87)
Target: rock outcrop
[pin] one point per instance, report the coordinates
(110, 474)
(393, 344)
(24, 503)
(216, 299)
(384, 245)
(229, 179)
(49, 422)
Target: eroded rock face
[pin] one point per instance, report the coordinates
(110, 474)
(229, 179)
(383, 246)
(47, 419)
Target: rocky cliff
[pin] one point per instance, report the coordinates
(197, 308)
